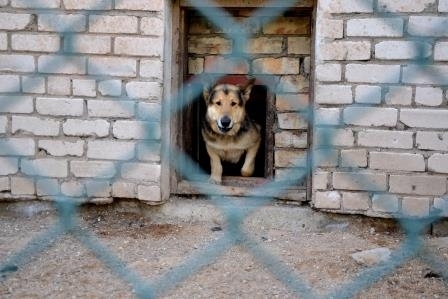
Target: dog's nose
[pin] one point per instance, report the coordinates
(225, 121)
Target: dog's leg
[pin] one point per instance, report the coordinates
(249, 162)
(216, 167)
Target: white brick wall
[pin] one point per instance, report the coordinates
(370, 76)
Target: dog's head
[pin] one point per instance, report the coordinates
(226, 106)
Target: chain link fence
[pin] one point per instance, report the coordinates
(410, 248)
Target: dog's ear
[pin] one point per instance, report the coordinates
(247, 88)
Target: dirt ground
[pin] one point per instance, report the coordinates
(314, 247)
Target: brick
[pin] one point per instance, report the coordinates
(88, 4)
(113, 24)
(45, 167)
(110, 150)
(334, 94)
(47, 187)
(149, 111)
(22, 186)
(112, 66)
(386, 139)
(418, 184)
(360, 180)
(226, 65)
(397, 161)
(60, 106)
(292, 102)
(291, 139)
(290, 176)
(98, 188)
(8, 165)
(320, 180)
(299, 45)
(14, 21)
(440, 204)
(17, 63)
(443, 6)
(143, 90)
(87, 44)
(367, 94)
(428, 25)
(34, 125)
(288, 25)
(425, 118)
(330, 28)
(149, 194)
(73, 189)
(36, 42)
(385, 203)
(347, 6)
(399, 50)
(438, 163)
(124, 189)
(398, 95)
(93, 169)
(110, 88)
(122, 109)
(148, 151)
(346, 50)
(327, 116)
(425, 74)
(285, 158)
(138, 46)
(375, 27)
(17, 147)
(16, 104)
(355, 201)
(441, 51)
(153, 5)
(61, 64)
(265, 45)
(62, 22)
(334, 137)
(141, 172)
(151, 68)
(328, 72)
(131, 129)
(292, 121)
(354, 158)
(328, 200)
(325, 158)
(59, 86)
(370, 116)
(404, 5)
(293, 83)
(4, 184)
(33, 84)
(61, 148)
(152, 26)
(3, 41)
(36, 4)
(415, 206)
(3, 124)
(437, 141)
(429, 96)
(9, 83)
(84, 87)
(83, 128)
(277, 66)
(195, 65)
(209, 45)
(372, 73)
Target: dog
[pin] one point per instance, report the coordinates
(227, 130)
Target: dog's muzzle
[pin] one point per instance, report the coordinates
(225, 124)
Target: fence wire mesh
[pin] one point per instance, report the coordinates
(68, 208)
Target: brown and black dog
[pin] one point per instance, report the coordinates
(227, 130)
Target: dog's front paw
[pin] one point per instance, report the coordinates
(215, 180)
(248, 171)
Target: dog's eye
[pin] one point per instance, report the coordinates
(218, 103)
(233, 104)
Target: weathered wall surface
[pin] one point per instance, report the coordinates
(381, 141)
